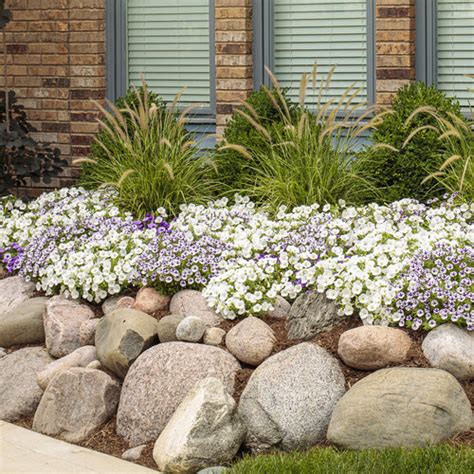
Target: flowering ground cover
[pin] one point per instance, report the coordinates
(405, 263)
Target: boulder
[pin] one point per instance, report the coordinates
(214, 470)
(24, 323)
(87, 332)
(167, 327)
(62, 321)
(79, 358)
(150, 301)
(281, 309)
(19, 392)
(373, 347)
(190, 329)
(159, 380)
(451, 348)
(311, 314)
(400, 406)
(13, 291)
(289, 398)
(121, 336)
(192, 303)
(204, 430)
(117, 301)
(76, 403)
(251, 341)
(214, 336)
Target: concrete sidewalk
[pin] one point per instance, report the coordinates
(24, 451)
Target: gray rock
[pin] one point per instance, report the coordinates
(251, 341)
(204, 430)
(400, 406)
(19, 392)
(451, 348)
(121, 336)
(13, 291)
(281, 309)
(374, 347)
(117, 301)
(213, 470)
(3, 352)
(311, 314)
(24, 323)
(79, 358)
(159, 380)
(190, 329)
(192, 303)
(167, 327)
(288, 400)
(133, 454)
(76, 403)
(87, 332)
(214, 336)
(150, 301)
(62, 321)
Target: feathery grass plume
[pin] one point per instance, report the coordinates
(148, 155)
(309, 156)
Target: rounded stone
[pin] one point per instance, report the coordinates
(159, 380)
(251, 341)
(289, 398)
(214, 336)
(151, 301)
(167, 327)
(121, 336)
(451, 348)
(190, 329)
(281, 309)
(13, 291)
(79, 358)
(373, 347)
(62, 321)
(192, 303)
(400, 407)
(87, 332)
(19, 392)
(24, 323)
(76, 403)
(117, 301)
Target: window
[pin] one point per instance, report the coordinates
(445, 46)
(292, 35)
(169, 43)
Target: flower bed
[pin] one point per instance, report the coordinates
(406, 263)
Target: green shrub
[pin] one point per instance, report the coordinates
(308, 157)
(399, 161)
(145, 152)
(231, 165)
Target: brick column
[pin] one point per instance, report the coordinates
(234, 70)
(87, 52)
(395, 47)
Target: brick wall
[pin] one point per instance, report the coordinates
(234, 70)
(55, 63)
(395, 47)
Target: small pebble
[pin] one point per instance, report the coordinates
(3, 352)
(133, 454)
(214, 336)
(191, 329)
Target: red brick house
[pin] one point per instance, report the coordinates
(60, 54)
